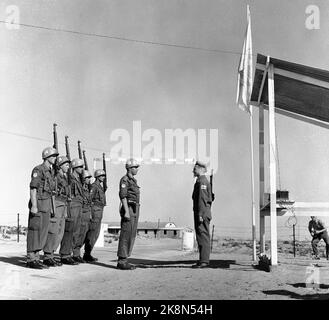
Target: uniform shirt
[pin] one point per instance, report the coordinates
(129, 189)
(43, 180)
(97, 194)
(62, 187)
(315, 225)
(76, 189)
(86, 194)
(202, 197)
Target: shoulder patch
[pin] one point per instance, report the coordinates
(203, 187)
(123, 185)
(35, 174)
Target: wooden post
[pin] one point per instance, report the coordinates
(261, 179)
(261, 161)
(272, 157)
(253, 209)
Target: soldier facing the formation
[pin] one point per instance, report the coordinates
(129, 195)
(202, 199)
(42, 186)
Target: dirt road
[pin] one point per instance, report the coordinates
(163, 272)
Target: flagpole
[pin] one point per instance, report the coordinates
(253, 208)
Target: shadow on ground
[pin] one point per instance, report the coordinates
(304, 285)
(146, 263)
(19, 261)
(294, 295)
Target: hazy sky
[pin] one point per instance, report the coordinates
(91, 86)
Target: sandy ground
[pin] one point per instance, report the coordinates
(163, 272)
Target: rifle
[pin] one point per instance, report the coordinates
(80, 157)
(68, 156)
(55, 145)
(55, 137)
(211, 179)
(104, 168)
(79, 149)
(85, 160)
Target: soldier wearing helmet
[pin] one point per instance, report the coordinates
(42, 186)
(69, 246)
(57, 224)
(86, 215)
(129, 211)
(98, 199)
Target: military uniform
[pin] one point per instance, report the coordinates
(70, 242)
(38, 223)
(57, 223)
(98, 200)
(86, 216)
(318, 225)
(202, 199)
(131, 191)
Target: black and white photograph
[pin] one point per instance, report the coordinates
(164, 150)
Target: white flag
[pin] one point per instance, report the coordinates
(245, 71)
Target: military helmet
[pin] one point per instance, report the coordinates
(77, 163)
(99, 173)
(49, 152)
(201, 164)
(131, 163)
(86, 174)
(61, 160)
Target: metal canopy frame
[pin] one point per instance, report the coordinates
(304, 83)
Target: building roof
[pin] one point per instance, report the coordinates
(299, 89)
(146, 225)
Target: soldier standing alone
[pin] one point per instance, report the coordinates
(202, 199)
(129, 195)
(318, 231)
(42, 187)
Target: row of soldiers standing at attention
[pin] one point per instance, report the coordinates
(65, 208)
(63, 213)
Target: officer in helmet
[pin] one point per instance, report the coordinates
(42, 186)
(68, 245)
(98, 199)
(57, 224)
(129, 211)
(86, 212)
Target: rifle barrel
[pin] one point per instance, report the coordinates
(55, 137)
(85, 160)
(79, 149)
(104, 168)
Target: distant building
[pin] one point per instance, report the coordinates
(156, 229)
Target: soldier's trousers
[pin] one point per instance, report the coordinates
(94, 229)
(203, 238)
(56, 230)
(317, 238)
(37, 232)
(128, 234)
(84, 228)
(71, 238)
